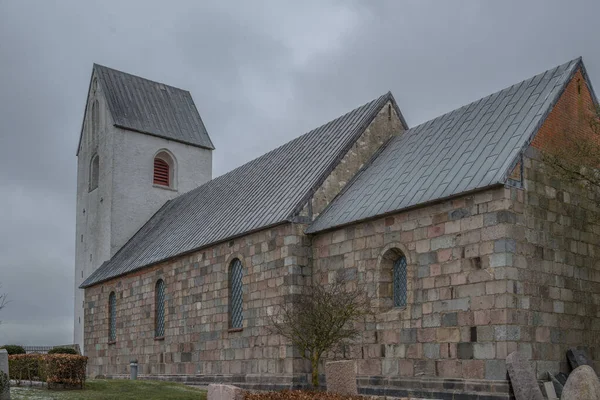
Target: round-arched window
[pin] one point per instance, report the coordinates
(164, 170)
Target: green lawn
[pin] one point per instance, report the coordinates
(113, 389)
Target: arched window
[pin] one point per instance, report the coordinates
(399, 279)
(112, 317)
(159, 318)
(164, 170)
(94, 172)
(393, 286)
(236, 316)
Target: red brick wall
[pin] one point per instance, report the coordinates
(569, 120)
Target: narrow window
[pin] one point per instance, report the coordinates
(159, 319)
(112, 317)
(399, 282)
(94, 172)
(236, 317)
(95, 123)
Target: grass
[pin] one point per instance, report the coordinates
(113, 389)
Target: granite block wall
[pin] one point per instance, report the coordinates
(556, 267)
(197, 339)
(457, 322)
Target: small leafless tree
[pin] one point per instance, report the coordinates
(577, 159)
(321, 318)
(3, 300)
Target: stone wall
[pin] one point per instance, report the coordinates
(502, 270)
(556, 271)
(386, 124)
(197, 339)
(459, 255)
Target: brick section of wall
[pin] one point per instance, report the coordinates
(384, 126)
(457, 323)
(197, 340)
(569, 120)
(558, 235)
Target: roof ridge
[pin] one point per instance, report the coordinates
(288, 143)
(354, 178)
(578, 59)
(576, 64)
(138, 77)
(377, 105)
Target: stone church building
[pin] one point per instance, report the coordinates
(469, 245)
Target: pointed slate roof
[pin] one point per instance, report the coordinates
(468, 149)
(153, 108)
(264, 192)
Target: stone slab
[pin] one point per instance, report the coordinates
(550, 392)
(225, 392)
(578, 357)
(522, 378)
(341, 377)
(4, 376)
(583, 384)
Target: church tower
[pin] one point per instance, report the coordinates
(142, 143)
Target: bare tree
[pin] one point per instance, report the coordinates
(577, 159)
(3, 300)
(321, 318)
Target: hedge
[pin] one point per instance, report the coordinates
(13, 349)
(62, 350)
(26, 367)
(65, 369)
(55, 369)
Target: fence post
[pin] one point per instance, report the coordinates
(4, 376)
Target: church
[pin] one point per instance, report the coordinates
(457, 228)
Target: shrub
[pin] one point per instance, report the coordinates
(27, 367)
(12, 349)
(56, 369)
(63, 350)
(65, 369)
(298, 395)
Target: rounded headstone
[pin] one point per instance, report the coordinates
(341, 377)
(582, 384)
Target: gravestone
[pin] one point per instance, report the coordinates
(550, 393)
(341, 377)
(4, 377)
(558, 386)
(561, 377)
(583, 384)
(578, 357)
(225, 392)
(522, 379)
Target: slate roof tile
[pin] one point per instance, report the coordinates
(152, 108)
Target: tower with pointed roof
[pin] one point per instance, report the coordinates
(142, 143)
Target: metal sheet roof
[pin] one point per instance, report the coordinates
(264, 192)
(153, 108)
(473, 147)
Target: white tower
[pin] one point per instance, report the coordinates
(142, 143)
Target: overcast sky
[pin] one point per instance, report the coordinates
(261, 73)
